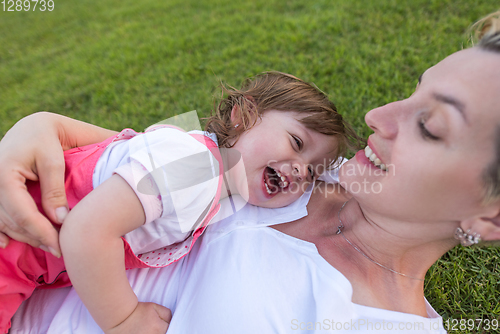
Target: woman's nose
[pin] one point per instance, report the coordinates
(385, 120)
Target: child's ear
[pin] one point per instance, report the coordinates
(236, 116)
(488, 226)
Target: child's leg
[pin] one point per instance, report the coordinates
(15, 285)
(22, 269)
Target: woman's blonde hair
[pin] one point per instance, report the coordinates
(282, 92)
(487, 34)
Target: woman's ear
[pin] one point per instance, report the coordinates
(492, 228)
(487, 227)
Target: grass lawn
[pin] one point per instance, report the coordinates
(129, 63)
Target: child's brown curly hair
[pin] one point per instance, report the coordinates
(282, 92)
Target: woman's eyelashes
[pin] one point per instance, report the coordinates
(425, 133)
(311, 171)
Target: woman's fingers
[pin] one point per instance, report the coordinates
(50, 169)
(20, 218)
(22, 237)
(4, 240)
(23, 158)
(29, 225)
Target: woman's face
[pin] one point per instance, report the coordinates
(435, 144)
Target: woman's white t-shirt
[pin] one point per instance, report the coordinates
(241, 277)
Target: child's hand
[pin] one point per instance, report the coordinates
(148, 318)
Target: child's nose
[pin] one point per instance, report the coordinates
(300, 171)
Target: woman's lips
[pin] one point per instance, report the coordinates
(372, 154)
(362, 159)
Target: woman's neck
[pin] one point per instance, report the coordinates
(406, 248)
(408, 253)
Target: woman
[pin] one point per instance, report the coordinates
(358, 257)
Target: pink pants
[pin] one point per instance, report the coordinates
(23, 267)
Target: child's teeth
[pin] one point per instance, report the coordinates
(283, 178)
(267, 188)
(285, 184)
(382, 167)
(377, 161)
(279, 174)
(373, 157)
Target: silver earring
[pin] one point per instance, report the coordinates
(236, 126)
(466, 238)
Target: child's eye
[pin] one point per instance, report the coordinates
(298, 142)
(425, 133)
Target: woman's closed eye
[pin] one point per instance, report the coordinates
(425, 132)
(311, 171)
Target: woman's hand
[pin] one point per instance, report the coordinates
(31, 150)
(148, 318)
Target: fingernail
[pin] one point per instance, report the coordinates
(61, 214)
(54, 252)
(50, 250)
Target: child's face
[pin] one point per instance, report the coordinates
(282, 157)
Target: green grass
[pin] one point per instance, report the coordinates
(132, 63)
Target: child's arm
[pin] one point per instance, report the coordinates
(94, 256)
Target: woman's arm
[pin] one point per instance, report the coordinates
(93, 254)
(33, 149)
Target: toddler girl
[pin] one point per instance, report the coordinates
(153, 194)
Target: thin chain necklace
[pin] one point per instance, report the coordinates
(339, 231)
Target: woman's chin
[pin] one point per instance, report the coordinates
(348, 172)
